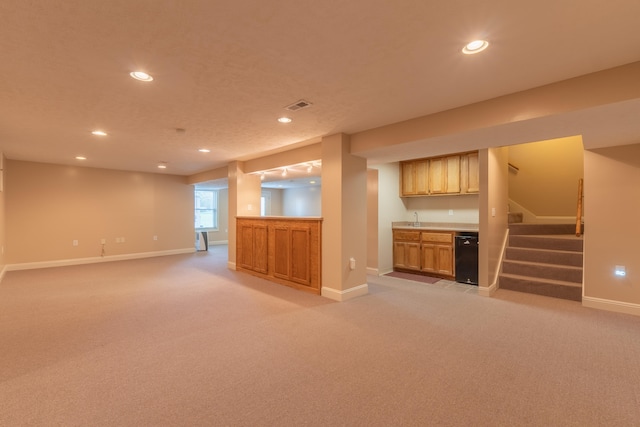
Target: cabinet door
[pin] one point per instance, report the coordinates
(245, 243)
(406, 255)
(428, 254)
(407, 179)
(281, 251)
(300, 255)
(421, 173)
(453, 174)
(444, 260)
(437, 175)
(473, 173)
(260, 245)
(437, 259)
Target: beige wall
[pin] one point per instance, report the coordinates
(546, 183)
(456, 209)
(3, 226)
(276, 201)
(50, 206)
(612, 232)
(302, 201)
(390, 209)
(372, 221)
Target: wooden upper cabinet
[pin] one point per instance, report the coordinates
(421, 169)
(437, 176)
(472, 171)
(407, 179)
(454, 174)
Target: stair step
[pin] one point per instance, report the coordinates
(542, 229)
(555, 242)
(545, 256)
(546, 287)
(543, 271)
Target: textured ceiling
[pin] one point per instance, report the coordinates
(224, 70)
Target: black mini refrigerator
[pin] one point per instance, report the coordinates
(467, 258)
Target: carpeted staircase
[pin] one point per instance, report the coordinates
(544, 259)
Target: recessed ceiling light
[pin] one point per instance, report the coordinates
(312, 182)
(162, 165)
(204, 150)
(475, 47)
(284, 120)
(99, 133)
(81, 158)
(141, 75)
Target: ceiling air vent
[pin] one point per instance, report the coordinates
(298, 105)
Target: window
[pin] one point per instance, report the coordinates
(206, 209)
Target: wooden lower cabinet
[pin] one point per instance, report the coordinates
(437, 252)
(283, 250)
(255, 238)
(406, 250)
(437, 259)
(429, 252)
(406, 255)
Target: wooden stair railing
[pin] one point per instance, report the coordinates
(579, 212)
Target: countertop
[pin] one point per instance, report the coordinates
(445, 226)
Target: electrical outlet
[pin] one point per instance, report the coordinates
(103, 241)
(75, 243)
(155, 237)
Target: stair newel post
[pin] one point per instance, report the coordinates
(579, 213)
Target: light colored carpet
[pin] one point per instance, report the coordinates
(181, 340)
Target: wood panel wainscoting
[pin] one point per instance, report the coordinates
(283, 250)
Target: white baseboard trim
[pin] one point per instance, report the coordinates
(611, 305)
(345, 295)
(487, 291)
(372, 271)
(218, 242)
(231, 265)
(93, 260)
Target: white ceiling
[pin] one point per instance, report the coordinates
(224, 70)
